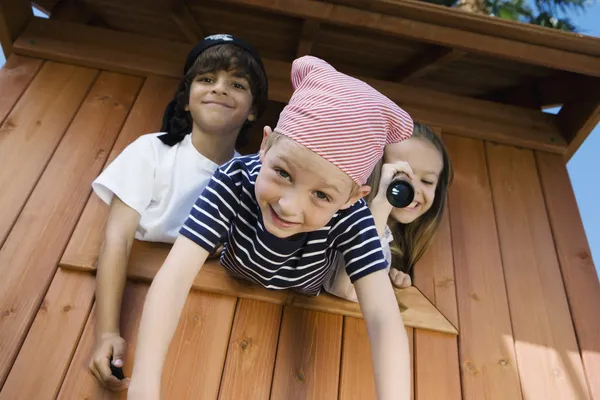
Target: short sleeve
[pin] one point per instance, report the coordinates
(359, 243)
(213, 212)
(130, 176)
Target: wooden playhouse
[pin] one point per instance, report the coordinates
(503, 303)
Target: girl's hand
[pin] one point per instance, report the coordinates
(388, 172)
(109, 345)
(400, 279)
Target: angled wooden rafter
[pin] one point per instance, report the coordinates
(310, 29)
(578, 118)
(14, 17)
(185, 20)
(469, 41)
(425, 63)
(140, 55)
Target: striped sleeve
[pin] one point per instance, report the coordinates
(211, 216)
(359, 242)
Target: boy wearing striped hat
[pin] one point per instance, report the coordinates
(283, 213)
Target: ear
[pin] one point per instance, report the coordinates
(251, 117)
(186, 107)
(266, 132)
(360, 193)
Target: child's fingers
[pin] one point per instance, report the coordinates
(107, 378)
(118, 353)
(400, 279)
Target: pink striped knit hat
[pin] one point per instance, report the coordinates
(341, 118)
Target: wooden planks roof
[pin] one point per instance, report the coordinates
(421, 51)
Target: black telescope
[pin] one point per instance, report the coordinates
(400, 193)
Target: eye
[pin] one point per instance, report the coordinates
(204, 79)
(239, 86)
(322, 196)
(283, 174)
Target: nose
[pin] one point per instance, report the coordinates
(220, 86)
(290, 204)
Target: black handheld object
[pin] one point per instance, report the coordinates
(116, 371)
(401, 192)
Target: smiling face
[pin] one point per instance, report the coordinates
(426, 163)
(299, 191)
(220, 101)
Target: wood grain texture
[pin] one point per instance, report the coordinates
(139, 55)
(30, 254)
(146, 259)
(308, 356)
(32, 131)
(194, 365)
(576, 264)
(434, 273)
(436, 355)
(486, 344)
(356, 374)
(250, 360)
(402, 27)
(15, 76)
(195, 359)
(145, 117)
(52, 339)
(547, 353)
(79, 382)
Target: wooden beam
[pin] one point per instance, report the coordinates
(71, 11)
(578, 118)
(553, 90)
(14, 17)
(140, 55)
(473, 42)
(146, 259)
(425, 63)
(487, 25)
(310, 29)
(184, 18)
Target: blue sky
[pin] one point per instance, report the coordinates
(584, 165)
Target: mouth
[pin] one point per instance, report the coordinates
(412, 206)
(280, 222)
(217, 103)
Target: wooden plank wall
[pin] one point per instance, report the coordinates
(509, 267)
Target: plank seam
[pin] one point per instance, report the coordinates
(554, 243)
(235, 313)
(72, 355)
(281, 314)
(484, 147)
(26, 87)
(26, 200)
(341, 358)
(137, 93)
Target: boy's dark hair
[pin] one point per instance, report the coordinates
(178, 122)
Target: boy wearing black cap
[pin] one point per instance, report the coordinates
(154, 182)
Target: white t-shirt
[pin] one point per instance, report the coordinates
(160, 182)
(338, 282)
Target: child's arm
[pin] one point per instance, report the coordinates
(387, 336)
(162, 310)
(110, 283)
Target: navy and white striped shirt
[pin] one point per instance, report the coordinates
(227, 212)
